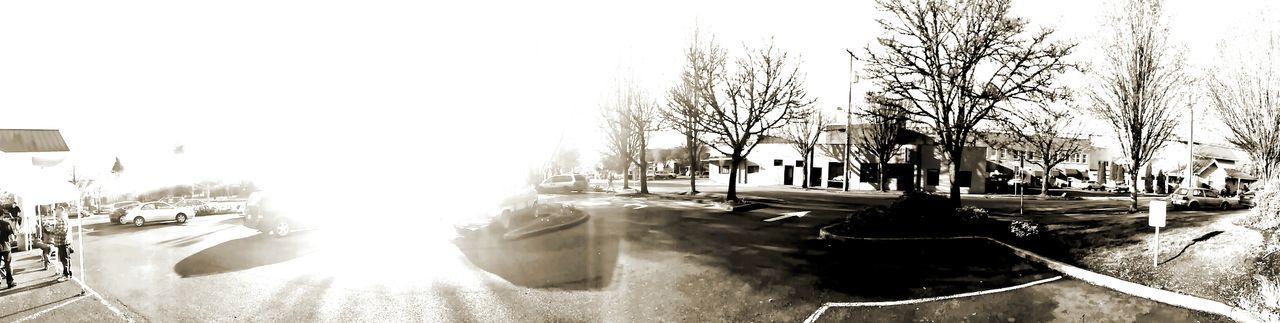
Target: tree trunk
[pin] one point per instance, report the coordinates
(1044, 188)
(693, 167)
(644, 175)
(1133, 188)
(956, 158)
(805, 169)
(626, 179)
(732, 194)
(880, 174)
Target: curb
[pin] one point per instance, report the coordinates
(1096, 279)
(520, 233)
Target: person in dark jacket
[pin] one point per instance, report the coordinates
(8, 233)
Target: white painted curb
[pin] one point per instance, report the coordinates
(817, 314)
(1116, 284)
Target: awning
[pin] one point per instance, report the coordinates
(1237, 174)
(34, 187)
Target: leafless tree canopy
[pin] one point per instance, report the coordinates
(765, 92)
(883, 132)
(628, 120)
(1142, 84)
(1245, 91)
(952, 63)
(803, 132)
(1049, 131)
(704, 63)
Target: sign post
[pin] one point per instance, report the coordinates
(1156, 220)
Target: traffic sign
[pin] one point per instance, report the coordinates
(1157, 214)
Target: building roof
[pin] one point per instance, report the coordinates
(31, 141)
(909, 136)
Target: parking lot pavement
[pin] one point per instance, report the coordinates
(40, 297)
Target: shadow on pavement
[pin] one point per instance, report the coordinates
(111, 228)
(244, 253)
(24, 288)
(581, 257)
(187, 241)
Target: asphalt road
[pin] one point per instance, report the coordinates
(634, 260)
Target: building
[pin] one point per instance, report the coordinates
(918, 163)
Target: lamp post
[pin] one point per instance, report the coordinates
(848, 123)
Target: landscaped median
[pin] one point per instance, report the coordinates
(924, 217)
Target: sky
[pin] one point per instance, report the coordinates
(434, 95)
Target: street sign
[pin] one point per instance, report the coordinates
(1157, 214)
(1156, 219)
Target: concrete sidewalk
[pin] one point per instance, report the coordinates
(40, 297)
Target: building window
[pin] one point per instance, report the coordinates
(777, 162)
(753, 169)
(931, 177)
(724, 169)
(963, 178)
(867, 173)
(799, 163)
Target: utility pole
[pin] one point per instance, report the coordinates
(1191, 157)
(848, 125)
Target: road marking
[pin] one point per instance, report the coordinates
(816, 314)
(47, 310)
(640, 205)
(102, 300)
(787, 215)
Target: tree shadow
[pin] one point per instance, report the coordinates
(244, 253)
(1202, 238)
(189, 240)
(580, 257)
(112, 228)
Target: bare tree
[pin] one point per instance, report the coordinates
(704, 63)
(620, 132)
(644, 115)
(803, 132)
(952, 63)
(764, 93)
(882, 134)
(1244, 89)
(1047, 131)
(1141, 83)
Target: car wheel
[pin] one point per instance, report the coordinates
(1226, 206)
(139, 221)
(282, 228)
(1193, 206)
(181, 218)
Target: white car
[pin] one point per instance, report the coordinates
(156, 212)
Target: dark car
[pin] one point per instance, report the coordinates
(277, 216)
(119, 209)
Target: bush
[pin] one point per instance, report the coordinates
(920, 206)
(872, 216)
(1025, 230)
(1265, 215)
(972, 215)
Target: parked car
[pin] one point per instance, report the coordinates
(664, 175)
(1087, 185)
(156, 212)
(1246, 199)
(1119, 188)
(1197, 198)
(279, 216)
(118, 210)
(563, 183)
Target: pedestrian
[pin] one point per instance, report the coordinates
(8, 238)
(56, 235)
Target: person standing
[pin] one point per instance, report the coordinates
(8, 235)
(56, 235)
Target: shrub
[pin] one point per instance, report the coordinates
(871, 216)
(972, 215)
(920, 206)
(1025, 230)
